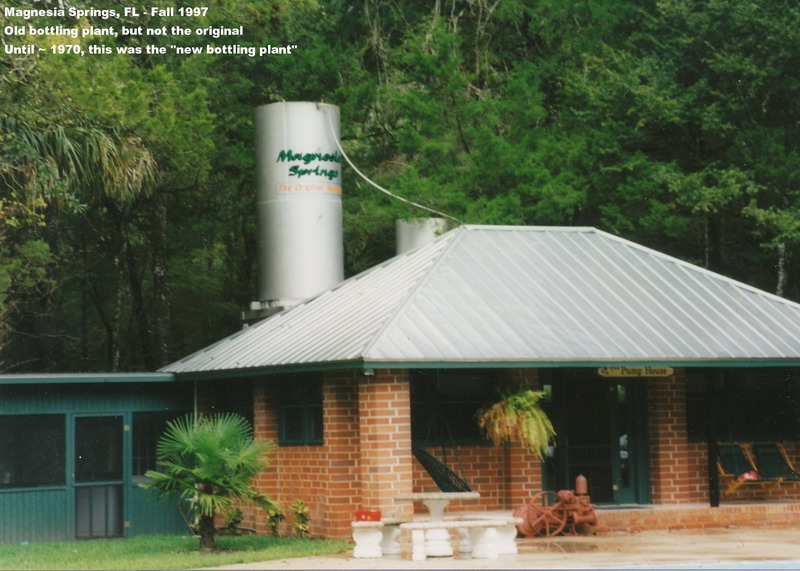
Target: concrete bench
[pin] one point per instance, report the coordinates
(506, 532)
(430, 538)
(376, 538)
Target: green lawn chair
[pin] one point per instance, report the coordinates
(773, 461)
(732, 462)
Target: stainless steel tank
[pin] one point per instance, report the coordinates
(299, 201)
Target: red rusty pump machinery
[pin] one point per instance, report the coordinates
(551, 513)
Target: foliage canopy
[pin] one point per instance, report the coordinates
(127, 225)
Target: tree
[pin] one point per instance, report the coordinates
(691, 123)
(209, 462)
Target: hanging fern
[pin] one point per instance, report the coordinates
(518, 418)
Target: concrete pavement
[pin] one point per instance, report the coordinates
(716, 548)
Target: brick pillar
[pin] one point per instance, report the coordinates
(669, 445)
(384, 409)
(523, 468)
(341, 483)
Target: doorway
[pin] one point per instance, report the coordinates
(602, 434)
(98, 476)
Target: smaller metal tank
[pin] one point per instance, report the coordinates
(416, 232)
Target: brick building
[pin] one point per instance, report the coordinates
(646, 362)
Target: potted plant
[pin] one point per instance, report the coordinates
(518, 418)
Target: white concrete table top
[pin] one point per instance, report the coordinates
(436, 502)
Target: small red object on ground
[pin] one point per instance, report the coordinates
(368, 515)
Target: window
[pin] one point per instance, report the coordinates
(444, 404)
(32, 450)
(752, 404)
(148, 427)
(300, 411)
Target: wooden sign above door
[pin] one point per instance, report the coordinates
(618, 372)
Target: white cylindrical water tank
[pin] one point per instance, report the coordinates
(299, 181)
(417, 232)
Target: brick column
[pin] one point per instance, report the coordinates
(670, 475)
(384, 409)
(341, 483)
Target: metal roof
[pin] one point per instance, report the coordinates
(519, 296)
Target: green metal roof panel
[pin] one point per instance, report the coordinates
(521, 295)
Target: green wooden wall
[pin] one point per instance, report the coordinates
(47, 513)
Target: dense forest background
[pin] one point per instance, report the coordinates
(127, 228)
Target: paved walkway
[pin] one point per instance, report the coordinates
(719, 548)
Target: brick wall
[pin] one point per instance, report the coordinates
(670, 481)
(675, 518)
(366, 459)
(324, 477)
(342, 487)
(384, 407)
(364, 462)
(506, 477)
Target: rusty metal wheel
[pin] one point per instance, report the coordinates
(546, 515)
(524, 529)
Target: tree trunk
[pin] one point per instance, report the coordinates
(139, 312)
(160, 283)
(207, 532)
(781, 286)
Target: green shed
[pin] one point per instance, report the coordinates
(73, 448)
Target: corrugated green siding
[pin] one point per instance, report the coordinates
(34, 515)
(38, 399)
(148, 516)
(48, 514)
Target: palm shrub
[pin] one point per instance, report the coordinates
(518, 418)
(209, 462)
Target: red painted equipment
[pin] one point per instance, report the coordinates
(551, 513)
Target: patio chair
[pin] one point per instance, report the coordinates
(773, 461)
(735, 465)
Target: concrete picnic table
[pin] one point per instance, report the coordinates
(437, 540)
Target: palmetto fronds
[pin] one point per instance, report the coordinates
(209, 462)
(60, 161)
